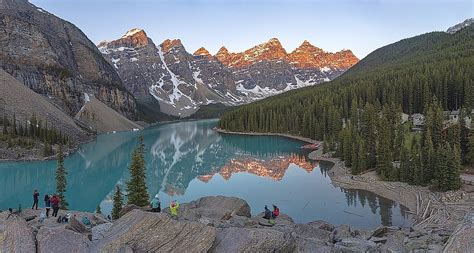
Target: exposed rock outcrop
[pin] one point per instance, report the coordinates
(155, 232)
(18, 236)
(253, 240)
(61, 240)
(54, 58)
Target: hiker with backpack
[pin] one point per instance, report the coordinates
(174, 208)
(47, 204)
(55, 204)
(155, 204)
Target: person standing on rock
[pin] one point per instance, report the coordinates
(35, 200)
(47, 204)
(155, 204)
(174, 208)
(55, 204)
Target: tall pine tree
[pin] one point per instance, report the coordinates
(136, 187)
(61, 182)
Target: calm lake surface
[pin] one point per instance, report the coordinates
(188, 160)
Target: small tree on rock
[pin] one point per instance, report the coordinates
(118, 203)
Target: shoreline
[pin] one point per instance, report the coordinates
(428, 209)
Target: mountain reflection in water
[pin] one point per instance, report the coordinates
(188, 160)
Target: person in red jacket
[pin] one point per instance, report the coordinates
(55, 204)
(276, 211)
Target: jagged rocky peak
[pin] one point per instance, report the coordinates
(307, 47)
(268, 51)
(134, 38)
(168, 44)
(203, 52)
(460, 26)
(224, 56)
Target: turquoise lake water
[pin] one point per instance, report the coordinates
(188, 160)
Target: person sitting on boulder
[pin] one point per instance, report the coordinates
(155, 204)
(268, 213)
(276, 212)
(174, 208)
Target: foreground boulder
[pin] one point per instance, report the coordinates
(140, 231)
(18, 237)
(212, 210)
(253, 240)
(61, 240)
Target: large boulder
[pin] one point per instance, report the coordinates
(213, 209)
(219, 206)
(253, 240)
(155, 232)
(18, 236)
(61, 240)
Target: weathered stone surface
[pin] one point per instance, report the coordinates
(253, 240)
(219, 206)
(18, 236)
(355, 245)
(155, 232)
(215, 210)
(77, 226)
(54, 58)
(61, 240)
(98, 232)
(128, 208)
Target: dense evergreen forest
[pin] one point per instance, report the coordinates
(358, 115)
(29, 133)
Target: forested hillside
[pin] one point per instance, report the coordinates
(359, 113)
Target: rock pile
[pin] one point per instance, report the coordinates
(212, 224)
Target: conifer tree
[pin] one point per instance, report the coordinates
(362, 157)
(136, 186)
(470, 150)
(98, 210)
(404, 164)
(384, 157)
(117, 203)
(61, 182)
(355, 159)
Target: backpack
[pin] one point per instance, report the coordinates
(86, 221)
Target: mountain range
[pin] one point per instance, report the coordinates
(181, 82)
(139, 79)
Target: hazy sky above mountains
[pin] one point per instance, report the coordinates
(362, 25)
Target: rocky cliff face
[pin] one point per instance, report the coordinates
(54, 58)
(181, 82)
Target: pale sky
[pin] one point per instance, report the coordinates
(359, 25)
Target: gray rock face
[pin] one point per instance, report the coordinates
(61, 240)
(54, 58)
(253, 240)
(460, 26)
(155, 232)
(181, 82)
(18, 237)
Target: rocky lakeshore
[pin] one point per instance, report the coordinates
(209, 224)
(450, 213)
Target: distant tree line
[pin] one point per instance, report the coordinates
(26, 133)
(358, 114)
